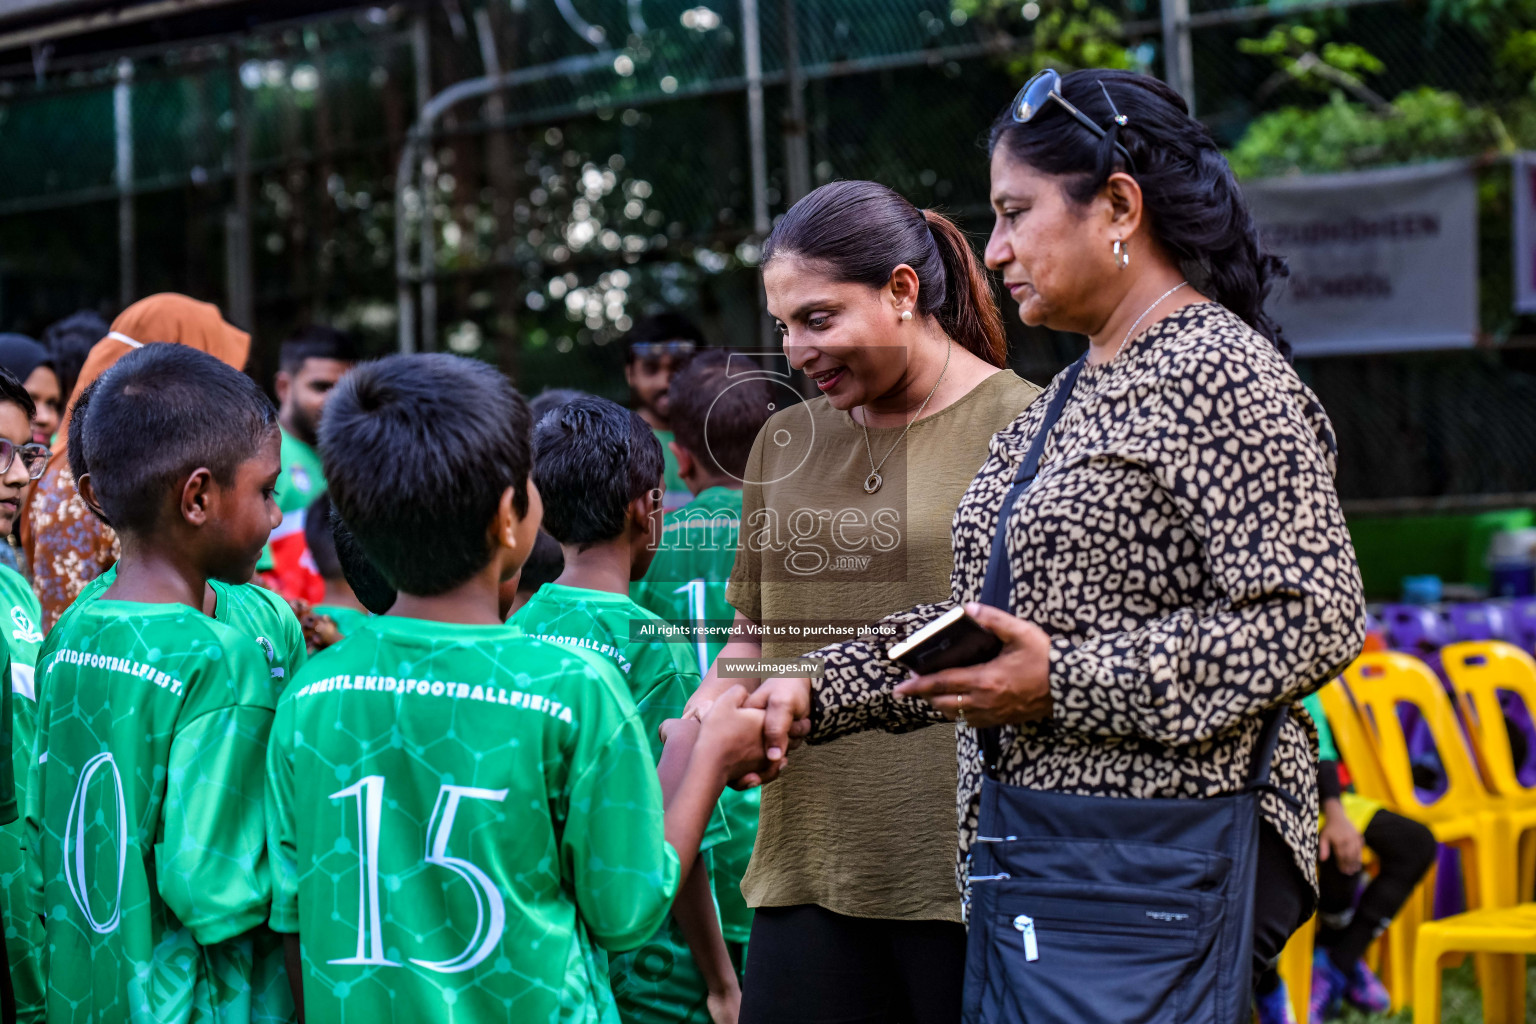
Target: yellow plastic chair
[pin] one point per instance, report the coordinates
(1501, 937)
(1464, 815)
(1296, 968)
(1391, 954)
(1478, 671)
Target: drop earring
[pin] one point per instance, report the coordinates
(1122, 254)
(906, 314)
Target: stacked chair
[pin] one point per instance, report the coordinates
(1462, 702)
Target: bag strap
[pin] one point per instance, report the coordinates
(1264, 751)
(995, 590)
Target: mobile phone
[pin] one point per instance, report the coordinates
(951, 640)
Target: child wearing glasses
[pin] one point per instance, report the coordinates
(23, 461)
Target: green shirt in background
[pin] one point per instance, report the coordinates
(659, 982)
(1326, 750)
(458, 817)
(145, 818)
(302, 477)
(686, 585)
(247, 608)
(19, 617)
(348, 620)
(677, 493)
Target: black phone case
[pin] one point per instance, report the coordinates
(963, 643)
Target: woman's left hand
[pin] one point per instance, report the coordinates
(1013, 687)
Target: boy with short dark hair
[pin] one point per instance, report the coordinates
(599, 468)
(248, 608)
(489, 819)
(144, 804)
(719, 402)
(21, 461)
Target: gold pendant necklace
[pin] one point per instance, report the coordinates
(874, 480)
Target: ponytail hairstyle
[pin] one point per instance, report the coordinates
(1191, 198)
(860, 231)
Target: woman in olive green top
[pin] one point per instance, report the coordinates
(846, 515)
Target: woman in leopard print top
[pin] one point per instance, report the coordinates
(1180, 563)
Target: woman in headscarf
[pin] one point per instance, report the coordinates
(66, 545)
(30, 362)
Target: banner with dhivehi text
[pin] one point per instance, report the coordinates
(1380, 261)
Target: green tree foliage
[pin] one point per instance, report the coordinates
(1350, 125)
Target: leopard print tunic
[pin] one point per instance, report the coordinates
(1184, 546)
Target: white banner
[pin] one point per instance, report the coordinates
(1381, 261)
(1524, 170)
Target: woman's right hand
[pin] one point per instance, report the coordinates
(786, 704)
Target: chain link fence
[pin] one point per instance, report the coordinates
(618, 180)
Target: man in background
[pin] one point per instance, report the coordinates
(310, 363)
(656, 348)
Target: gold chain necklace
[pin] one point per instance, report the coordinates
(874, 480)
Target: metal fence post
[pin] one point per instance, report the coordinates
(421, 46)
(122, 123)
(240, 284)
(797, 153)
(1178, 58)
(752, 59)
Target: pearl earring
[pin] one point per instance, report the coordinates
(906, 314)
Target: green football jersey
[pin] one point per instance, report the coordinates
(660, 981)
(301, 478)
(20, 613)
(145, 825)
(686, 585)
(247, 608)
(459, 817)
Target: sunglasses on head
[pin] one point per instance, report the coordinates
(1044, 88)
(657, 349)
(33, 455)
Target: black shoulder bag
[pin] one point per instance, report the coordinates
(1116, 909)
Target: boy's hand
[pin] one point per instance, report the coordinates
(786, 703)
(731, 737)
(1340, 839)
(725, 1007)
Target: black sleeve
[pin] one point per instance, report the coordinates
(1328, 787)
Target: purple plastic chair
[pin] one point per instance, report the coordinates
(1414, 628)
(1522, 622)
(1479, 620)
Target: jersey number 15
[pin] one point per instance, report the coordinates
(490, 910)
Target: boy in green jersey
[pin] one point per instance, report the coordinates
(599, 468)
(461, 818)
(145, 832)
(248, 608)
(19, 618)
(718, 403)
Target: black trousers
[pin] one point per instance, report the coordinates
(1282, 902)
(1405, 850)
(806, 964)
